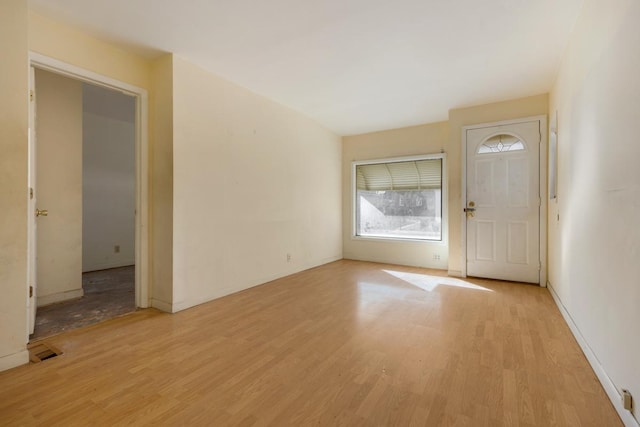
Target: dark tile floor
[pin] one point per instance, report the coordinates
(107, 294)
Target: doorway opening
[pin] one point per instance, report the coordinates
(87, 179)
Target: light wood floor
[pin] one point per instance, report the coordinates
(349, 343)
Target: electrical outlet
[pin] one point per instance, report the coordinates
(116, 249)
(288, 257)
(436, 256)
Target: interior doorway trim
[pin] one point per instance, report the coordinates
(43, 62)
(543, 190)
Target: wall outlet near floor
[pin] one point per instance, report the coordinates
(288, 257)
(436, 256)
(116, 249)
(627, 400)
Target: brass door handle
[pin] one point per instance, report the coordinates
(42, 212)
(471, 209)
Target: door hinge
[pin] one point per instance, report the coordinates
(30, 291)
(31, 192)
(31, 95)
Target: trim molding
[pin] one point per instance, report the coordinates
(167, 307)
(440, 264)
(455, 273)
(444, 197)
(13, 360)
(219, 293)
(109, 266)
(607, 384)
(59, 297)
(54, 65)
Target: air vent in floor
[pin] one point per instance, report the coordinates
(42, 351)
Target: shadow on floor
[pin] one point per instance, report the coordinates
(107, 294)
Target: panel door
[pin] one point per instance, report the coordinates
(503, 202)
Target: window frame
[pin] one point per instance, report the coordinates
(443, 194)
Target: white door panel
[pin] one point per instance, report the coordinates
(485, 195)
(518, 242)
(503, 221)
(486, 240)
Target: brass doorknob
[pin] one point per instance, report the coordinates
(42, 212)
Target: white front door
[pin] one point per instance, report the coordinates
(503, 202)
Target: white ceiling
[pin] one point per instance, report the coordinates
(353, 65)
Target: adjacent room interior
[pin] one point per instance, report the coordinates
(331, 213)
(85, 181)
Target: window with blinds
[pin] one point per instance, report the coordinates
(399, 198)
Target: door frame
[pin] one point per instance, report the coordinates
(141, 95)
(542, 192)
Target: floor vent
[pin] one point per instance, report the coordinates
(42, 351)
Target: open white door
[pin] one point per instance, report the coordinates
(31, 221)
(503, 202)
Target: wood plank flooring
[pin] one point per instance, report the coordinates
(349, 343)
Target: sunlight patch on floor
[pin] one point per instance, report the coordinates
(429, 283)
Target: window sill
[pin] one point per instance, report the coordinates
(397, 239)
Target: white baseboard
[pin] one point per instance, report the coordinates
(59, 297)
(607, 384)
(455, 273)
(328, 260)
(222, 292)
(167, 307)
(107, 265)
(432, 264)
(13, 360)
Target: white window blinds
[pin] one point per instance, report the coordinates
(406, 175)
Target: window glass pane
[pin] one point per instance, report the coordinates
(501, 144)
(414, 214)
(401, 200)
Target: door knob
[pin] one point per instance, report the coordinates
(42, 212)
(470, 210)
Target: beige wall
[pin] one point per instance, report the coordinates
(429, 138)
(594, 237)
(161, 155)
(415, 140)
(58, 187)
(13, 183)
(288, 220)
(108, 178)
(458, 118)
(69, 45)
(252, 181)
